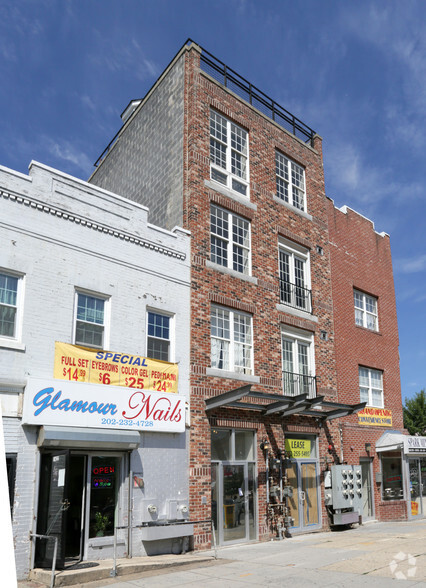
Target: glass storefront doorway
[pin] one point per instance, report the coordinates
(233, 486)
(417, 471)
(78, 495)
(367, 490)
(303, 477)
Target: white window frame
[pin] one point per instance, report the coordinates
(15, 342)
(368, 387)
(230, 343)
(171, 339)
(363, 316)
(290, 178)
(300, 254)
(224, 148)
(296, 338)
(107, 317)
(230, 243)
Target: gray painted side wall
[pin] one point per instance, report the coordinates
(146, 162)
(59, 234)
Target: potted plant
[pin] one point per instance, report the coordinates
(101, 523)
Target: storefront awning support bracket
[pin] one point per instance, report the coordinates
(227, 397)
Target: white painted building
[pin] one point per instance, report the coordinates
(82, 266)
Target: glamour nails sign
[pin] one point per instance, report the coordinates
(57, 402)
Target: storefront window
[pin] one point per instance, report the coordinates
(103, 495)
(392, 476)
(221, 444)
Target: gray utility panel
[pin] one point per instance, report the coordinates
(343, 493)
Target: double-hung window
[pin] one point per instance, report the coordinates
(228, 154)
(11, 286)
(229, 240)
(159, 336)
(290, 179)
(231, 340)
(371, 387)
(298, 363)
(294, 274)
(365, 310)
(91, 320)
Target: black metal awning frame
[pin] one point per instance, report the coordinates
(283, 406)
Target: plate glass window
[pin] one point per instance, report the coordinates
(90, 323)
(365, 310)
(231, 340)
(228, 153)
(158, 336)
(371, 387)
(290, 181)
(8, 305)
(229, 240)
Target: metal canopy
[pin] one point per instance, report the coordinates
(285, 406)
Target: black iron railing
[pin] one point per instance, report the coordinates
(295, 296)
(245, 90)
(295, 384)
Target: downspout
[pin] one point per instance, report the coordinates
(341, 443)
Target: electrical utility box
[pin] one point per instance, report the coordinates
(343, 494)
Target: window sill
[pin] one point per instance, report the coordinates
(11, 344)
(292, 208)
(368, 330)
(231, 272)
(230, 193)
(232, 375)
(296, 312)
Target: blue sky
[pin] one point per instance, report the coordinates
(355, 71)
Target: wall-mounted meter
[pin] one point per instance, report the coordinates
(343, 494)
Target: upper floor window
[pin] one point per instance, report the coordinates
(365, 310)
(228, 153)
(159, 336)
(290, 181)
(231, 340)
(90, 322)
(294, 276)
(229, 240)
(11, 286)
(298, 363)
(371, 387)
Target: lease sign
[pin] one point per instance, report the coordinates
(92, 366)
(298, 448)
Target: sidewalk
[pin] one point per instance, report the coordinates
(375, 554)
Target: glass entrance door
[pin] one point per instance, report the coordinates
(304, 504)
(416, 486)
(367, 491)
(53, 505)
(78, 496)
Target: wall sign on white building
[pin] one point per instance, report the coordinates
(58, 402)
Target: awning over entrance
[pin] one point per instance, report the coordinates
(269, 404)
(87, 438)
(395, 440)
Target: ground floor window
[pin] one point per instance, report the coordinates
(11, 473)
(392, 476)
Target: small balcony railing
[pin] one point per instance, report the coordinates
(295, 384)
(295, 296)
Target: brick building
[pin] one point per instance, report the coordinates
(207, 150)
(367, 358)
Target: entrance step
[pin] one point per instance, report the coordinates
(101, 570)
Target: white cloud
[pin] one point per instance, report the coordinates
(411, 265)
(66, 151)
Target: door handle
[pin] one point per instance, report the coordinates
(302, 496)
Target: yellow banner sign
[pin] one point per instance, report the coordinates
(298, 448)
(80, 364)
(376, 417)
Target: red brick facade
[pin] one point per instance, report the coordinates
(361, 260)
(342, 251)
